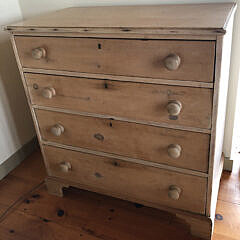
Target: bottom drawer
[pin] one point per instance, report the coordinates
(128, 180)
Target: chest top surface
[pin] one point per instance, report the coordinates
(213, 16)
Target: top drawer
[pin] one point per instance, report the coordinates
(167, 59)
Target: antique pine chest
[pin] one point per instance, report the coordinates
(130, 101)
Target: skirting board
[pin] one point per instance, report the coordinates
(228, 164)
(18, 157)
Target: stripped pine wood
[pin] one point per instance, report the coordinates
(127, 139)
(121, 178)
(175, 45)
(133, 160)
(109, 217)
(27, 94)
(103, 33)
(121, 78)
(130, 100)
(223, 57)
(120, 57)
(171, 17)
(88, 214)
(111, 117)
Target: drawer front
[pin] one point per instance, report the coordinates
(128, 180)
(180, 60)
(136, 101)
(173, 147)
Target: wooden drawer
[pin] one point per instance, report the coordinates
(162, 145)
(151, 58)
(127, 180)
(136, 101)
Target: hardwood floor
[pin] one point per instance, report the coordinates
(28, 212)
(228, 207)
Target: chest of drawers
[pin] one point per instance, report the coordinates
(130, 102)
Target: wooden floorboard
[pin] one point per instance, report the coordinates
(227, 222)
(34, 214)
(19, 225)
(230, 185)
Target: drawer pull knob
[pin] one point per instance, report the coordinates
(57, 130)
(174, 150)
(38, 53)
(174, 108)
(172, 62)
(65, 166)
(48, 92)
(174, 192)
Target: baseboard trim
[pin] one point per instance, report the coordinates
(13, 161)
(228, 164)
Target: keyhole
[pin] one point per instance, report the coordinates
(99, 46)
(99, 136)
(110, 124)
(98, 175)
(105, 85)
(116, 164)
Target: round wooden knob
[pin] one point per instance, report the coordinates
(174, 192)
(174, 150)
(38, 53)
(48, 92)
(172, 62)
(65, 166)
(174, 108)
(57, 130)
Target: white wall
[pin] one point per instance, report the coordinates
(232, 130)
(31, 8)
(16, 127)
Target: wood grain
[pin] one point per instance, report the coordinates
(134, 101)
(128, 139)
(120, 57)
(230, 187)
(176, 16)
(117, 33)
(28, 174)
(121, 78)
(105, 216)
(88, 214)
(25, 88)
(21, 226)
(228, 206)
(121, 178)
(123, 158)
(164, 125)
(223, 57)
(227, 222)
(138, 60)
